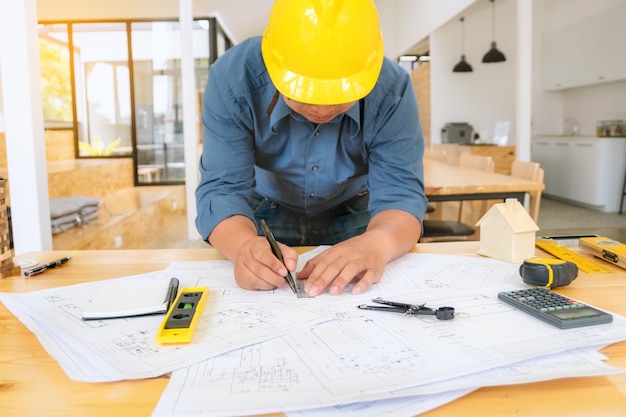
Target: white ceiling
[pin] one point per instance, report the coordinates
(240, 19)
(405, 23)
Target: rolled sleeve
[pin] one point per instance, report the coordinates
(227, 161)
(396, 146)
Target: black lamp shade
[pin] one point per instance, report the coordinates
(462, 66)
(494, 55)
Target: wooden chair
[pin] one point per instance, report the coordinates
(437, 230)
(530, 171)
(436, 154)
(480, 162)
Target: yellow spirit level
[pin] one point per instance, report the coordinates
(610, 250)
(182, 318)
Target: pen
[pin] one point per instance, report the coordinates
(172, 291)
(42, 268)
(276, 250)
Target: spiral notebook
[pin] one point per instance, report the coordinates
(130, 299)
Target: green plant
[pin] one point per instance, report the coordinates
(97, 147)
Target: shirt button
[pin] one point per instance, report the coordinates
(314, 168)
(316, 133)
(312, 195)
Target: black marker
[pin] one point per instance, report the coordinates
(42, 268)
(172, 292)
(276, 250)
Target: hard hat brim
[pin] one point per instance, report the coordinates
(310, 90)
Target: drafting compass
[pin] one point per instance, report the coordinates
(442, 313)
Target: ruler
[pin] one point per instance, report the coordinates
(584, 264)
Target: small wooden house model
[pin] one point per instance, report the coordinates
(507, 232)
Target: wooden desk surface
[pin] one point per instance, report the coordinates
(442, 179)
(32, 384)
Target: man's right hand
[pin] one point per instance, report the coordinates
(256, 267)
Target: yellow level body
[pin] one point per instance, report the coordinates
(183, 316)
(565, 254)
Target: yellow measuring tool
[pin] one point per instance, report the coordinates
(182, 318)
(565, 254)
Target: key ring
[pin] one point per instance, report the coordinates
(441, 313)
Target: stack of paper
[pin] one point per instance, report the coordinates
(259, 352)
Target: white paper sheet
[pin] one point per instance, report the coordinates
(279, 352)
(116, 349)
(575, 363)
(268, 378)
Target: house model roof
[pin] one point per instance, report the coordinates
(514, 215)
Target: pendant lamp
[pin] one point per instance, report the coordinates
(462, 66)
(493, 55)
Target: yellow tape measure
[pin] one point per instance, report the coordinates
(548, 272)
(565, 254)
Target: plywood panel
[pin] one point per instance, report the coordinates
(89, 177)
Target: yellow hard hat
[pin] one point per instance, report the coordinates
(323, 51)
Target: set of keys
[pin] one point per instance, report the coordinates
(441, 313)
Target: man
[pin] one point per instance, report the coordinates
(313, 130)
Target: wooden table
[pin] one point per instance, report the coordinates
(445, 182)
(32, 384)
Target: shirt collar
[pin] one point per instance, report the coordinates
(281, 110)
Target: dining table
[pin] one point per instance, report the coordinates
(449, 182)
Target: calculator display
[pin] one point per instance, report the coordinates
(580, 312)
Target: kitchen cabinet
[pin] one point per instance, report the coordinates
(585, 170)
(586, 52)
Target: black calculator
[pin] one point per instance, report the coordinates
(556, 309)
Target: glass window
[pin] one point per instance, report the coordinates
(158, 96)
(120, 101)
(56, 79)
(103, 85)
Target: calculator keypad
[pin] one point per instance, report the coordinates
(544, 300)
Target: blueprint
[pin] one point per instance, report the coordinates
(126, 348)
(272, 351)
(270, 377)
(578, 362)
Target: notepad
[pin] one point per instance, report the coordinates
(130, 299)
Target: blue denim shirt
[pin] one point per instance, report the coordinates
(376, 146)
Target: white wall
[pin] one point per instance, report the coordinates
(1, 108)
(487, 94)
(405, 23)
(584, 105)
